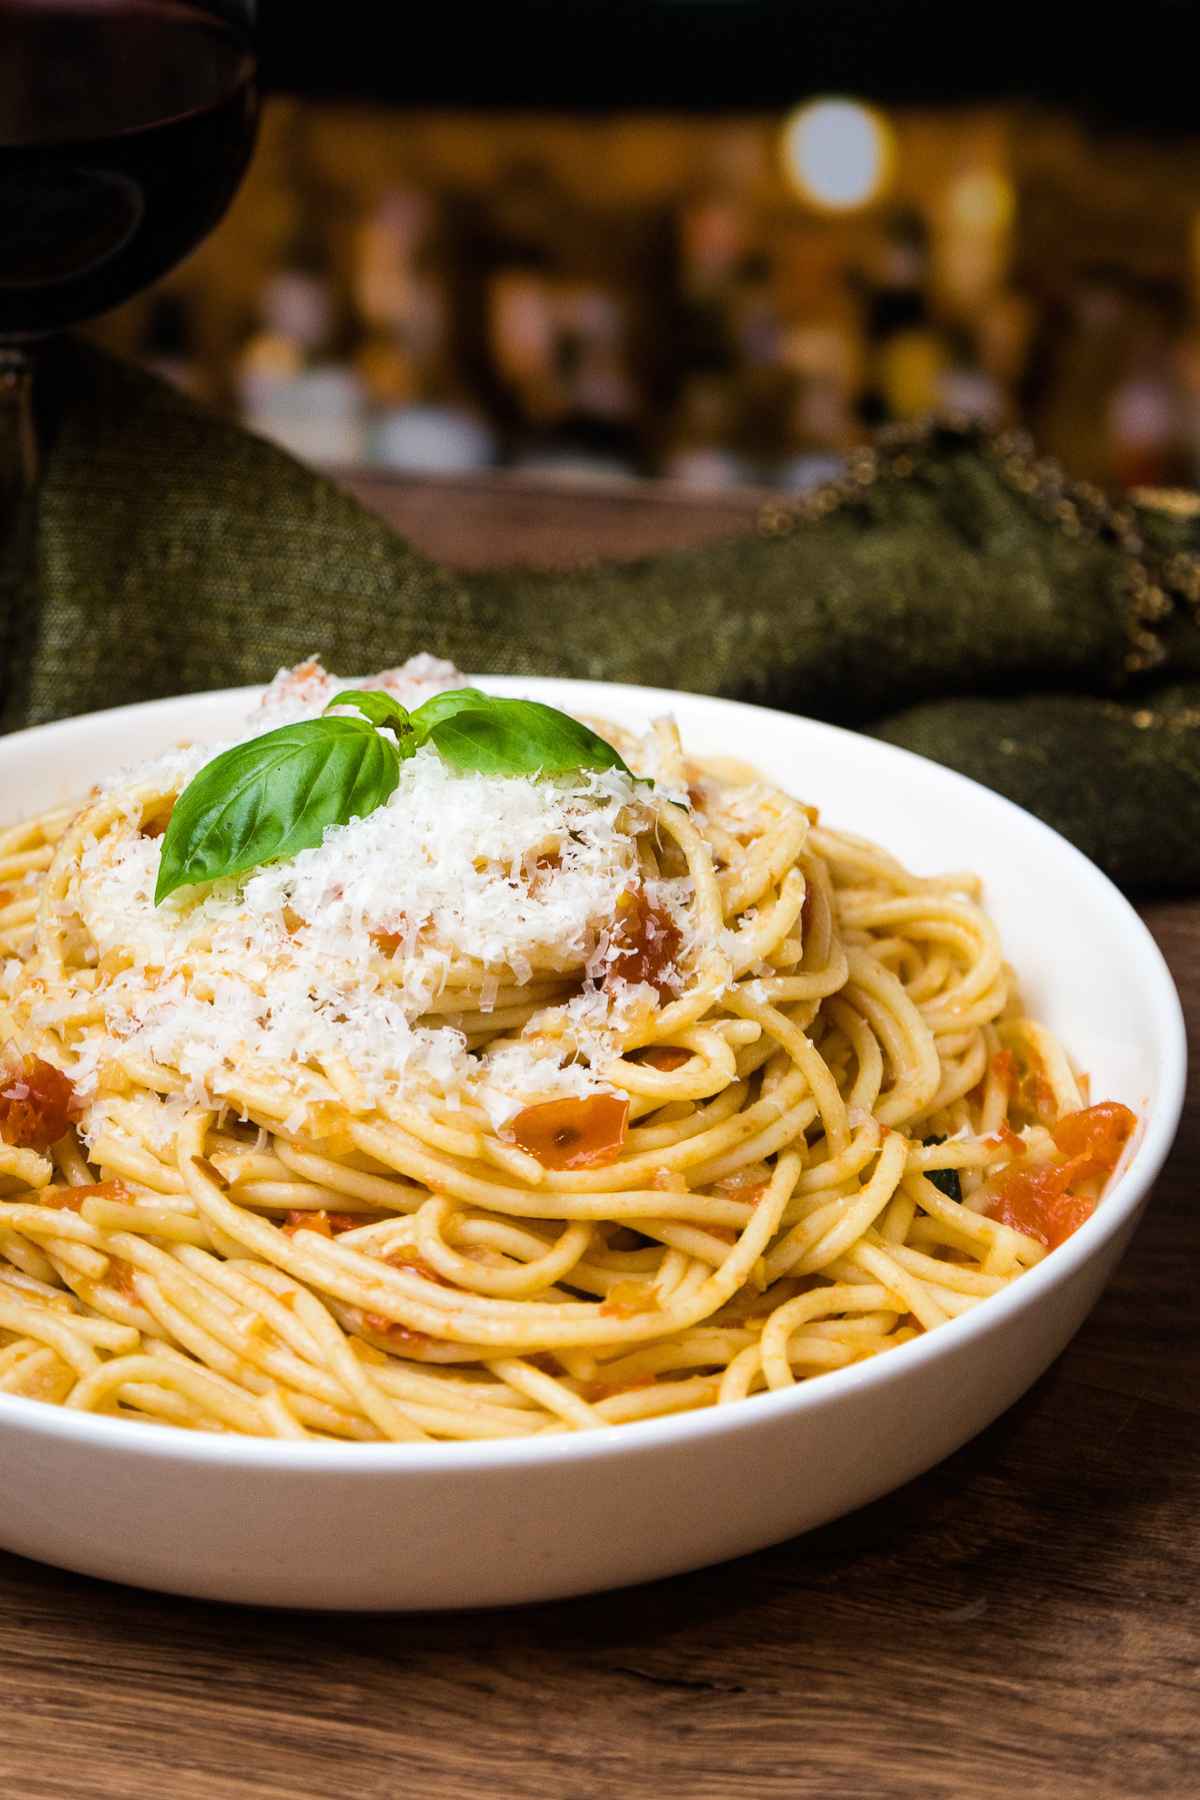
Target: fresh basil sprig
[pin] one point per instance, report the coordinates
(475, 731)
(278, 794)
(380, 708)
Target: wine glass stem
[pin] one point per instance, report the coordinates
(18, 492)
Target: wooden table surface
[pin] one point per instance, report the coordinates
(1024, 1619)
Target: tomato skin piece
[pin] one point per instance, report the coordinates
(648, 941)
(576, 1133)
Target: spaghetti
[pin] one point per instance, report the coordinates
(518, 1106)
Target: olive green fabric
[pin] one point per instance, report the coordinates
(951, 595)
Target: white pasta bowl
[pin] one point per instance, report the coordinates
(453, 1525)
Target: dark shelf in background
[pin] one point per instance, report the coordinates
(1126, 67)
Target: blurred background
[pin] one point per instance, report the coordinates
(712, 241)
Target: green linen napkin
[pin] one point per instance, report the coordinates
(951, 594)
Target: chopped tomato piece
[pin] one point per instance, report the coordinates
(648, 941)
(1004, 1068)
(1036, 1203)
(574, 1133)
(1100, 1132)
(1040, 1201)
(37, 1102)
(5, 896)
(666, 1057)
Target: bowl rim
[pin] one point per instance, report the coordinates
(758, 1411)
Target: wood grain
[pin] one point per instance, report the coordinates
(1024, 1619)
(481, 521)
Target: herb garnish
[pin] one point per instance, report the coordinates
(946, 1181)
(278, 794)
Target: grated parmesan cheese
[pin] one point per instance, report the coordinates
(340, 952)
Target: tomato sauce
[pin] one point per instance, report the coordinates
(157, 826)
(575, 1133)
(608, 1390)
(37, 1102)
(648, 941)
(411, 1263)
(628, 1299)
(387, 941)
(1007, 1139)
(70, 1199)
(1027, 1086)
(395, 1333)
(1039, 1200)
(120, 1277)
(742, 1185)
(666, 1057)
(544, 869)
(325, 1224)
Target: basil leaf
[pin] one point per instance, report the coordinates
(946, 1181)
(382, 709)
(442, 706)
(518, 737)
(274, 796)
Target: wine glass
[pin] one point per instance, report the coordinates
(125, 129)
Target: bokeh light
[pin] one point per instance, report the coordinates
(838, 154)
(982, 200)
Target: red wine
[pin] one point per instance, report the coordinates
(125, 128)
